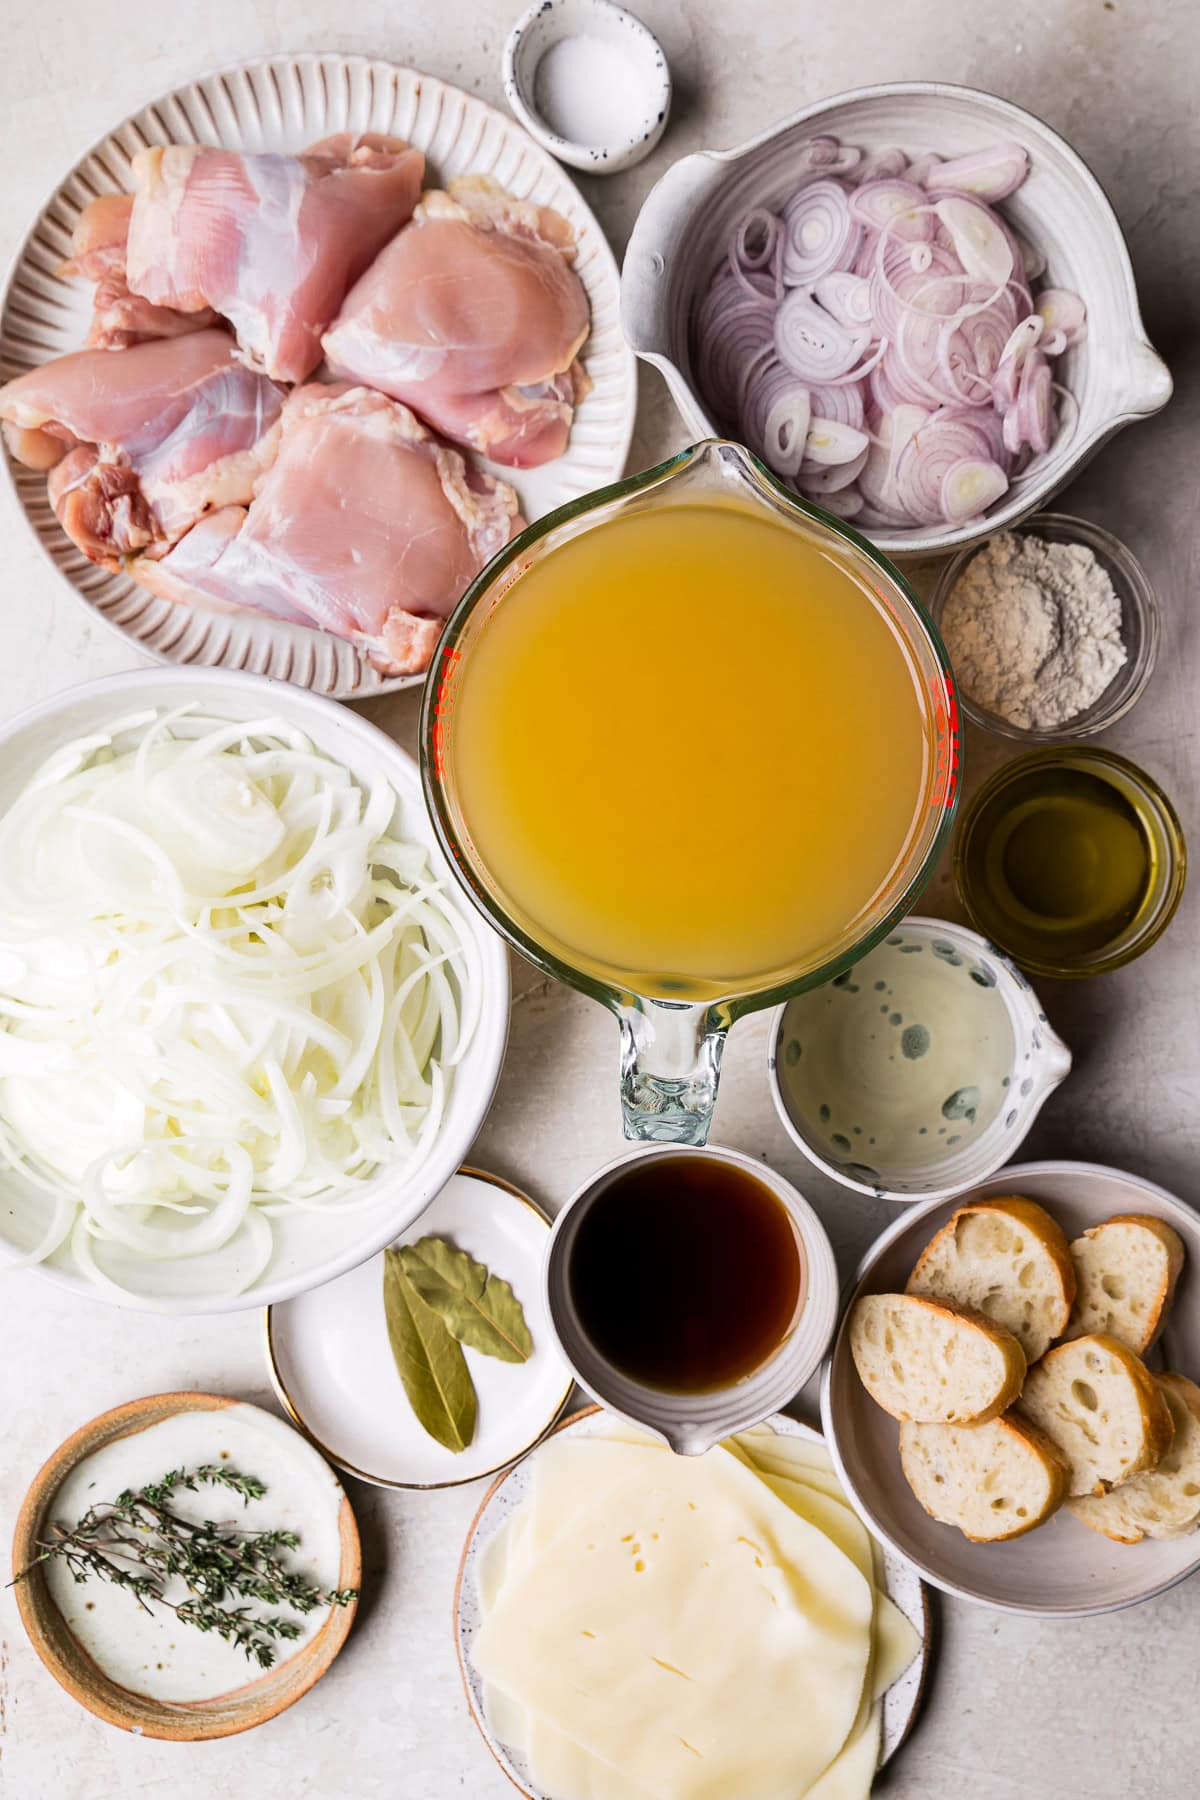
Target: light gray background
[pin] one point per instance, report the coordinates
(1104, 1709)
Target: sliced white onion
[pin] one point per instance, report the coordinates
(226, 991)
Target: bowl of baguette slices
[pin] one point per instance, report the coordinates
(1013, 1397)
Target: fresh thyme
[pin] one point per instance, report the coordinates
(138, 1542)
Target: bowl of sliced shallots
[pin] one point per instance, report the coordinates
(293, 352)
(913, 302)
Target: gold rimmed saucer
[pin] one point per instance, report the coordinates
(332, 1366)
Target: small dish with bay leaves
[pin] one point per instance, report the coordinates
(434, 1363)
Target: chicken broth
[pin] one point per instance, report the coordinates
(687, 751)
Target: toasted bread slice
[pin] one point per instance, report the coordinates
(1006, 1258)
(1102, 1408)
(1126, 1272)
(1162, 1502)
(993, 1481)
(931, 1361)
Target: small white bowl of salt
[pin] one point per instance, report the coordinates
(589, 82)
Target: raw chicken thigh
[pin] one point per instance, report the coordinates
(141, 442)
(365, 526)
(120, 318)
(270, 242)
(474, 317)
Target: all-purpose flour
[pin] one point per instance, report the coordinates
(1034, 630)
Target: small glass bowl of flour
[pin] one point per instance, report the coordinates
(1051, 628)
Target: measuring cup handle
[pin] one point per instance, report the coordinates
(670, 1065)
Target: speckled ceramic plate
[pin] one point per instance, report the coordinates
(284, 103)
(900, 1704)
(1061, 1570)
(333, 1369)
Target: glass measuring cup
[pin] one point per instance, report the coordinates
(671, 1048)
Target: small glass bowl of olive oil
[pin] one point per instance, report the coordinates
(1071, 860)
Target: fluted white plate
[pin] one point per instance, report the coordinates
(284, 103)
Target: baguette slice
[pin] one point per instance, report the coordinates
(1162, 1502)
(1102, 1408)
(1126, 1270)
(1009, 1259)
(993, 1481)
(931, 1361)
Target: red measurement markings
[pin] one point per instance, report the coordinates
(441, 707)
(948, 756)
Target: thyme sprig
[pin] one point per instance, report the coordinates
(139, 1542)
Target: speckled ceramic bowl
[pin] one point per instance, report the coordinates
(684, 228)
(919, 1071)
(546, 110)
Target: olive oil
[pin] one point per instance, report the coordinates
(686, 1273)
(1065, 861)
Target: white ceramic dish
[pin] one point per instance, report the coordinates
(692, 1423)
(568, 103)
(1038, 1063)
(310, 1247)
(284, 103)
(333, 1369)
(684, 227)
(1061, 1570)
(903, 1585)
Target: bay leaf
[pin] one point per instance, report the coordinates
(430, 1361)
(479, 1308)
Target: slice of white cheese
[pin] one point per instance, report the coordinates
(686, 1627)
(562, 1768)
(850, 1775)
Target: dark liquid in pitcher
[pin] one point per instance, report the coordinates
(686, 1273)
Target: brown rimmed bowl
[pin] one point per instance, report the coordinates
(222, 1716)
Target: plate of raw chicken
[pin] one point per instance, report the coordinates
(293, 352)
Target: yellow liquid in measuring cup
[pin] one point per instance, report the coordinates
(688, 750)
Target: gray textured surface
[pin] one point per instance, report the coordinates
(1016, 1708)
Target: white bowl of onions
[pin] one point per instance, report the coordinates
(248, 1024)
(912, 301)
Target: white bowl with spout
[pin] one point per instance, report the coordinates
(852, 1064)
(693, 1422)
(684, 229)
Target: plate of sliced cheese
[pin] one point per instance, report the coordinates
(1013, 1398)
(631, 1622)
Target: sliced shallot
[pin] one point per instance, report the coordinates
(988, 174)
(873, 335)
(979, 243)
(1060, 310)
(811, 343)
(969, 487)
(834, 445)
(818, 233)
